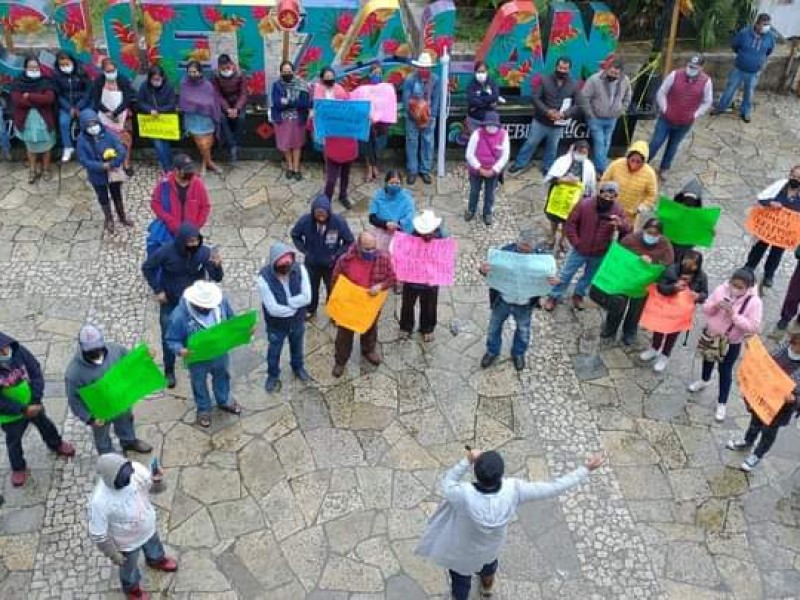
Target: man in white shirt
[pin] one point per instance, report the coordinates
(285, 293)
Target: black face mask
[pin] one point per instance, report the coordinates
(794, 184)
(328, 82)
(94, 355)
(287, 77)
(284, 269)
(201, 311)
(123, 478)
(192, 249)
(560, 75)
(184, 178)
(604, 205)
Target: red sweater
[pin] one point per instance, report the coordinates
(195, 210)
(44, 101)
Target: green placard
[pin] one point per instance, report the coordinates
(624, 273)
(219, 339)
(688, 226)
(19, 393)
(132, 378)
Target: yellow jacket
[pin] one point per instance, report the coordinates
(635, 188)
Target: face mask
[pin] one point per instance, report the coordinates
(375, 79)
(33, 74)
(736, 293)
(192, 249)
(393, 188)
(195, 78)
(111, 76)
(579, 157)
(157, 83)
(692, 71)
(480, 77)
(94, 356)
(792, 355)
(328, 82)
(287, 77)
(604, 204)
(369, 255)
(4, 358)
(561, 75)
(67, 69)
(492, 129)
(226, 73)
(765, 29)
(93, 129)
(794, 184)
(123, 478)
(283, 269)
(612, 77)
(650, 240)
(201, 311)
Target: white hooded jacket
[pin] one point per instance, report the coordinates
(468, 529)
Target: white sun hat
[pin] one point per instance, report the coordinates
(426, 222)
(203, 294)
(425, 61)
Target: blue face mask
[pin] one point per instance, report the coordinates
(650, 240)
(375, 79)
(369, 255)
(393, 188)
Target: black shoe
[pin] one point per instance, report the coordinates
(411, 178)
(628, 340)
(346, 203)
(128, 171)
(468, 215)
(170, 375)
(289, 175)
(298, 176)
(519, 362)
(715, 112)
(426, 178)
(781, 325)
(766, 282)
(2, 500)
(488, 220)
(139, 446)
(487, 360)
(745, 119)
(515, 168)
(310, 315)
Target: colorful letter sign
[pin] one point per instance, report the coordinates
(430, 262)
(776, 226)
(764, 385)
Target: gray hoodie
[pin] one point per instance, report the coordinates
(81, 372)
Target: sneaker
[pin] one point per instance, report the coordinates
(737, 445)
(722, 410)
(65, 449)
(338, 371)
(426, 178)
(346, 203)
(767, 282)
(648, 354)
(18, 478)
(628, 340)
(660, 364)
(411, 178)
(519, 362)
(170, 375)
(487, 360)
(488, 220)
(137, 445)
(746, 118)
(137, 593)
(781, 325)
(166, 564)
(298, 176)
(272, 384)
(549, 304)
(468, 215)
(515, 168)
(750, 462)
(302, 374)
(66, 156)
(696, 386)
(289, 174)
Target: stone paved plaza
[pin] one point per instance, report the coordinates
(321, 492)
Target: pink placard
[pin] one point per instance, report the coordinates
(383, 101)
(418, 261)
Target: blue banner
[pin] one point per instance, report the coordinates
(520, 277)
(341, 118)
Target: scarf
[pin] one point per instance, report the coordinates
(392, 208)
(200, 98)
(23, 84)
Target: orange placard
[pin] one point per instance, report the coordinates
(777, 226)
(351, 306)
(764, 385)
(668, 314)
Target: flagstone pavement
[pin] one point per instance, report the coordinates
(321, 491)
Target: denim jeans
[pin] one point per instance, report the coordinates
(164, 313)
(522, 336)
(232, 129)
(671, 134)
(738, 78)
(461, 584)
(164, 154)
(65, 128)
(5, 142)
(275, 339)
(123, 427)
(725, 371)
(220, 382)
(489, 184)
(601, 131)
(572, 264)
(15, 431)
(419, 148)
(129, 574)
(537, 133)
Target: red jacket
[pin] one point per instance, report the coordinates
(590, 234)
(195, 210)
(44, 101)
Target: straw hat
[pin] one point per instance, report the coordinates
(203, 294)
(426, 222)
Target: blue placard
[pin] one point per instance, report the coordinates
(341, 118)
(520, 277)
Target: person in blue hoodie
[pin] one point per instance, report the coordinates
(322, 237)
(21, 393)
(100, 152)
(752, 45)
(173, 268)
(392, 209)
(72, 86)
(285, 294)
(156, 97)
(202, 306)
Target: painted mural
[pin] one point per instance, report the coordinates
(519, 45)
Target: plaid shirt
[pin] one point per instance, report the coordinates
(381, 272)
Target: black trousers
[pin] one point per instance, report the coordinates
(773, 258)
(768, 435)
(619, 309)
(16, 430)
(318, 275)
(428, 303)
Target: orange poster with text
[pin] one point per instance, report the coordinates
(764, 385)
(776, 226)
(668, 314)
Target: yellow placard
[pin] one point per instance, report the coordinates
(165, 126)
(563, 198)
(350, 306)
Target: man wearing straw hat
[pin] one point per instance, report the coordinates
(422, 95)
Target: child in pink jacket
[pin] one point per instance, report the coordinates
(734, 311)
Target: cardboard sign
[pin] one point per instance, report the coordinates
(563, 198)
(688, 226)
(418, 261)
(350, 306)
(764, 385)
(625, 273)
(776, 226)
(520, 277)
(219, 339)
(165, 126)
(341, 118)
(383, 101)
(668, 314)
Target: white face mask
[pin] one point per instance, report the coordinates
(33, 74)
(111, 75)
(93, 129)
(67, 69)
(481, 77)
(692, 71)
(492, 129)
(226, 73)
(579, 157)
(98, 361)
(765, 29)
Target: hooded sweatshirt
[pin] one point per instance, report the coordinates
(752, 49)
(468, 529)
(635, 187)
(172, 269)
(126, 517)
(81, 372)
(283, 298)
(23, 366)
(745, 318)
(184, 321)
(91, 149)
(322, 243)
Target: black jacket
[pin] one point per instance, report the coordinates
(481, 97)
(162, 100)
(96, 94)
(73, 89)
(550, 96)
(669, 279)
(22, 366)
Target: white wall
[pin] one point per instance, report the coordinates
(785, 16)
